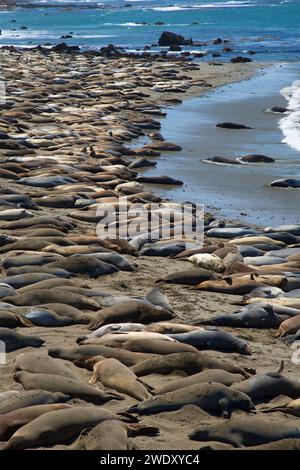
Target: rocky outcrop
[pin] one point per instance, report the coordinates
(171, 39)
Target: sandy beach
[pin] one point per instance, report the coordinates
(66, 118)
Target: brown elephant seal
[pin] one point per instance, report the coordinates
(84, 265)
(188, 277)
(115, 375)
(288, 327)
(112, 435)
(13, 320)
(153, 346)
(39, 220)
(46, 284)
(210, 375)
(123, 337)
(11, 422)
(31, 398)
(14, 340)
(62, 310)
(59, 426)
(24, 280)
(78, 355)
(237, 286)
(133, 311)
(40, 363)
(33, 244)
(268, 386)
(20, 260)
(55, 295)
(211, 397)
(187, 362)
(282, 444)
(246, 431)
(171, 328)
(292, 408)
(71, 387)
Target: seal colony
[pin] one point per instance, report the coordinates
(112, 342)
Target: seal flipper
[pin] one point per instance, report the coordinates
(141, 430)
(127, 417)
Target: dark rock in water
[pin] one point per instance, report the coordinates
(225, 160)
(279, 109)
(147, 48)
(63, 47)
(286, 183)
(23, 27)
(170, 39)
(159, 23)
(252, 52)
(110, 50)
(217, 41)
(257, 159)
(175, 48)
(66, 36)
(240, 60)
(227, 49)
(232, 125)
(216, 54)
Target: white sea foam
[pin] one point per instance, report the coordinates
(290, 124)
(196, 6)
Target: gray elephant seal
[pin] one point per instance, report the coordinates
(11, 422)
(269, 385)
(189, 277)
(133, 311)
(58, 426)
(187, 362)
(211, 397)
(246, 432)
(153, 346)
(213, 339)
(31, 398)
(43, 317)
(115, 375)
(210, 375)
(23, 280)
(84, 265)
(12, 320)
(28, 260)
(71, 387)
(14, 340)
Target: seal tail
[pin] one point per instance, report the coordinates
(24, 321)
(275, 408)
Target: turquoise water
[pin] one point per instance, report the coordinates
(269, 27)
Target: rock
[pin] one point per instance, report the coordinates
(170, 39)
(216, 54)
(217, 41)
(227, 49)
(110, 50)
(232, 125)
(63, 47)
(240, 60)
(175, 48)
(66, 36)
(256, 159)
(159, 23)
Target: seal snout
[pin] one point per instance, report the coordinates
(80, 339)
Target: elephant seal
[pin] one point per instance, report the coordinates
(268, 386)
(208, 261)
(213, 339)
(294, 229)
(256, 158)
(171, 328)
(188, 277)
(60, 273)
(40, 363)
(28, 260)
(64, 310)
(46, 284)
(187, 362)
(222, 160)
(44, 317)
(71, 387)
(288, 327)
(11, 422)
(259, 316)
(230, 285)
(14, 341)
(31, 398)
(115, 375)
(209, 375)
(153, 346)
(112, 328)
(157, 297)
(286, 183)
(112, 435)
(134, 310)
(246, 431)
(24, 280)
(292, 407)
(115, 259)
(58, 426)
(230, 232)
(84, 265)
(80, 354)
(211, 397)
(232, 125)
(56, 295)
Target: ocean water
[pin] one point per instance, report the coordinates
(268, 27)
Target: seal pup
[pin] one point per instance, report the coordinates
(113, 374)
